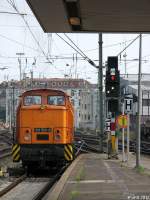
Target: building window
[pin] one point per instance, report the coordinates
(85, 117)
(72, 92)
(79, 102)
(79, 114)
(72, 101)
(146, 102)
(80, 84)
(79, 92)
(89, 117)
(85, 106)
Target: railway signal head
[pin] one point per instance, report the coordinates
(112, 78)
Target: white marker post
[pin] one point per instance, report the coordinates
(123, 153)
(128, 109)
(128, 138)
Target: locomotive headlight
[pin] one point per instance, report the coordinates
(57, 137)
(27, 136)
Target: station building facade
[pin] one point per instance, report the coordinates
(83, 94)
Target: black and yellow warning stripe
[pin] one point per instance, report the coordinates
(16, 152)
(68, 152)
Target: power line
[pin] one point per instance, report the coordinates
(12, 13)
(14, 6)
(128, 45)
(85, 57)
(17, 26)
(17, 42)
(70, 45)
(75, 45)
(47, 58)
(113, 45)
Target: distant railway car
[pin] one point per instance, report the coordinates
(145, 130)
(44, 128)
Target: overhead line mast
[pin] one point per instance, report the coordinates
(100, 85)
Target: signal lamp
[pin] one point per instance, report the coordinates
(27, 137)
(113, 77)
(57, 137)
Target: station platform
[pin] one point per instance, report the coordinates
(94, 177)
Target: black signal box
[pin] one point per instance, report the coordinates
(112, 62)
(113, 105)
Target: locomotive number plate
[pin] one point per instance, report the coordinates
(39, 130)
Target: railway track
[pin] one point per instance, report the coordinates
(91, 143)
(5, 152)
(5, 143)
(6, 137)
(87, 143)
(12, 185)
(30, 188)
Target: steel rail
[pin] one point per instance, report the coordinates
(49, 184)
(12, 185)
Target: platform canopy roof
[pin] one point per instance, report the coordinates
(92, 15)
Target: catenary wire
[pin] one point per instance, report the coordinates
(47, 58)
(86, 58)
(13, 5)
(84, 55)
(17, 42)
(128, 45)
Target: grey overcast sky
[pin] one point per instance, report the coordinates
(15, 37)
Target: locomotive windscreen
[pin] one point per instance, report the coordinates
(56, 100)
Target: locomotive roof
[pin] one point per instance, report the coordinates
(44, 90)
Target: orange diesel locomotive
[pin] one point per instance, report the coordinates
(44, 128)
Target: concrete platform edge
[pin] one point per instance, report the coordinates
(54, 194)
